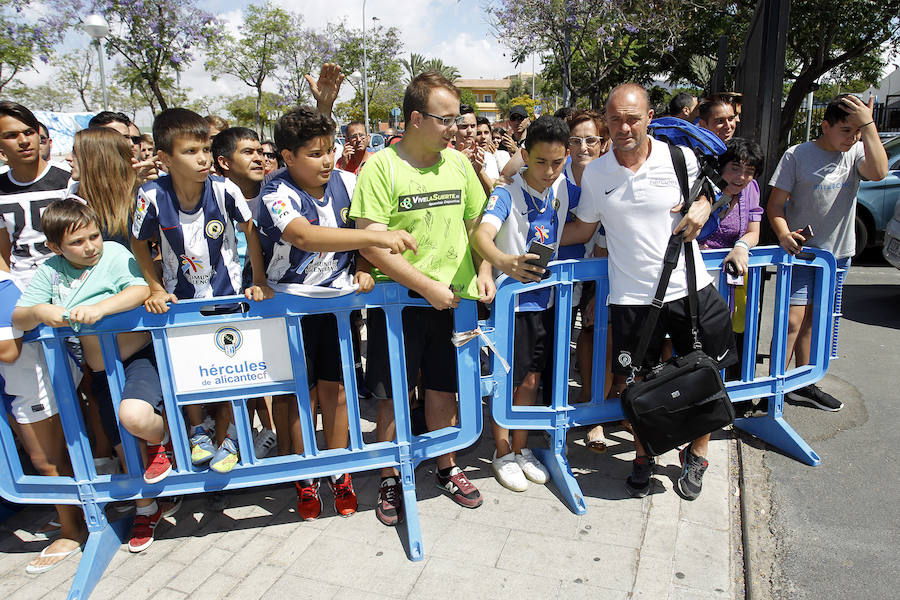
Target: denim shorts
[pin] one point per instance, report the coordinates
(803, 282)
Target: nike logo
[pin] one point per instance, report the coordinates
(608, 192)
(724, 354)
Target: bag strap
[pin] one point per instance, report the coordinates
(670, 261)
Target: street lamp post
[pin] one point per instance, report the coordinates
(364, 72)
(97, 27)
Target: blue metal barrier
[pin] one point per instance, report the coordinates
(185, 330)
(561, 415)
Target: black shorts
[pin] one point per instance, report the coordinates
(427, 334)
(320, 343)
(530, 344)
(674, 319)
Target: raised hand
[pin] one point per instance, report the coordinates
(325, 89)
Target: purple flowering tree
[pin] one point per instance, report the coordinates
(307, 50)
(21, 42)
(154, 38)
(592, 46)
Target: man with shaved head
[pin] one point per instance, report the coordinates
(634, 192)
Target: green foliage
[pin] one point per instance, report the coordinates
(22, 41)
(243, 109)
(45, 96)
(527, 101)
(383, 45)
(252, 57)
(73, 71)
(380, 104)
(467, 96)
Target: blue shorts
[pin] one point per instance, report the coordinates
(803, 282)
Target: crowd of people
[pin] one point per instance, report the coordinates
(202, 209)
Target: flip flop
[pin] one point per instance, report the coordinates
(34, 570)
(48, 534)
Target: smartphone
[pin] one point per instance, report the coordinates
(806, 232)
(545, 252)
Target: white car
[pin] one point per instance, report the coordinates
(891, 249)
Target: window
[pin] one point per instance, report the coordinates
(488, 98)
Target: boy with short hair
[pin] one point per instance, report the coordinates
(192, 214)
(87, 280)
(815, 185)
(532, 208)
(309, 241)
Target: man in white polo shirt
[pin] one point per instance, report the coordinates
(635, 193)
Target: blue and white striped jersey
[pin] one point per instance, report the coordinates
(199, 248)
(290, 269)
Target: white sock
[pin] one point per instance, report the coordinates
(148, 510)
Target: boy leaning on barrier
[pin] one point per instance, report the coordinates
(192, 215)
(532, 208)
(815, 185)
(309, 244)
(87, 280)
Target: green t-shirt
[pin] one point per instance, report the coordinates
(57, 281)
(432, 205)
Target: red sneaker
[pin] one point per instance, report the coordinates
(309, 506)
(160, 465)
(344, 496)
(142, 532)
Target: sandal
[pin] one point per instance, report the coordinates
(49, 531)
(34, 569)
(594, 440)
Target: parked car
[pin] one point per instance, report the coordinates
(876, 200)
(891, 249)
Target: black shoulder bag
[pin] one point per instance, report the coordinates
(684, 398)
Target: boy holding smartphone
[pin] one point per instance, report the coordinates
(527, 213)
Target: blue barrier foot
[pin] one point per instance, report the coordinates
(99, 550)
(776, 432)
(411, 513)
(558, 465)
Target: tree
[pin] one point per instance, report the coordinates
(383, 46)
(592, 45)
(448, 71)
(831, 34)
(152, 37)
(467, 96)
(300, 55)
(381, 102)
(414, 66)
(46, 96)
(252, 56)
(22, 42)
(244, 110)
(74, 72)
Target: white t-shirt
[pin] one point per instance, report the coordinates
(502, 157)
(490, 166)
(635, 209)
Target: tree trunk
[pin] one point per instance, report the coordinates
(259, 130)
(157, 93)
(84, 101)
(800, 88)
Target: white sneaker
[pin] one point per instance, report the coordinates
(263, 442)
(531, 467)
(509, 473)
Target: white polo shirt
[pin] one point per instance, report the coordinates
(635, 209)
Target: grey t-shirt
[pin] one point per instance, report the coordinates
(822, 187)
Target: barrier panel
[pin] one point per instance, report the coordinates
(561, 416)
(194, 352)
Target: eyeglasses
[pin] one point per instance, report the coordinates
(270, 155)
(591, 140)
(517, 117)
(356, 136)
(136, 139)
(445, 121)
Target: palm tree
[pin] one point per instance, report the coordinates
(414, 66)
(448, 71)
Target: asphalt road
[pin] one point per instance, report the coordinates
(837, 526)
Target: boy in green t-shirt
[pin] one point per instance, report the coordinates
(433, 193)
(88, 280)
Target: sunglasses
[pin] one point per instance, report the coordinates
(270, 155)
(516, 117)
(591, 140)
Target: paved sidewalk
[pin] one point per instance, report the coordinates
(517, 545)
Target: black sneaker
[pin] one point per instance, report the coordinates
(638, 483)
(456, 485)
(812, 394)
(690, 482)
(389, 509)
